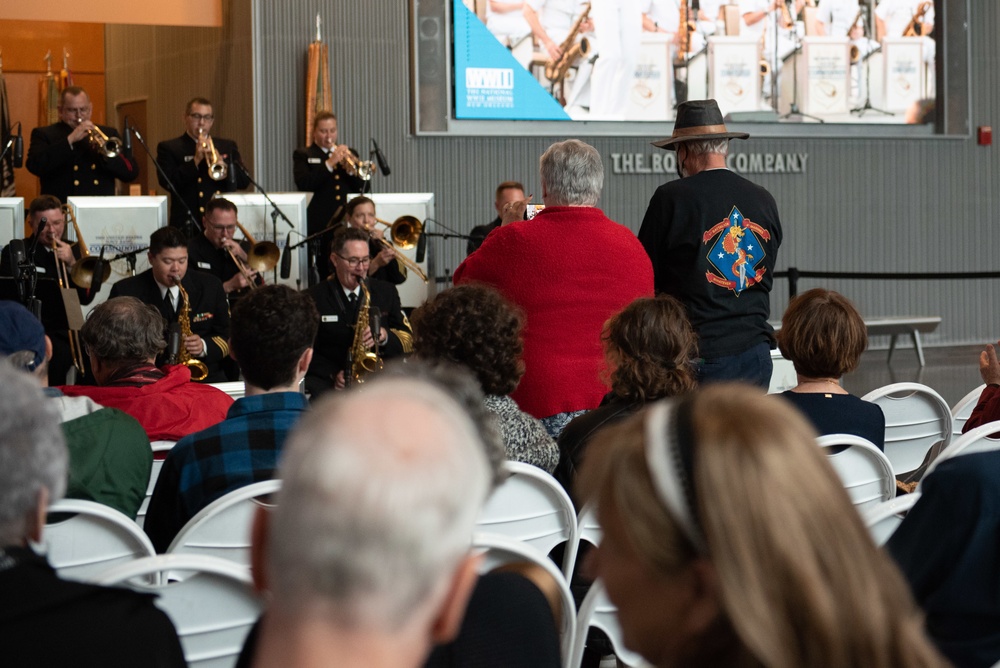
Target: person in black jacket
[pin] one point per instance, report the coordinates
(208, 310)
(45, 620)
(62, 156)
(185, 161)
(210, 250)
(338, 301)
(322, 169)
(53, 316)
(384, 266)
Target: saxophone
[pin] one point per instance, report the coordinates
(363, 361)
(915, 28)
(555, 70)
(199, 371)
(686, 29)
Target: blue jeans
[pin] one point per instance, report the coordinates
(751, 366)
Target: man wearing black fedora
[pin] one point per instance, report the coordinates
(712, 237)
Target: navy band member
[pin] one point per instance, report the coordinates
(62, 156)
(209, 251)
(384, 266)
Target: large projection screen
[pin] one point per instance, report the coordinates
(845, 68)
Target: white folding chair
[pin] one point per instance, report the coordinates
(866, 473)
(597, 611)
(977, 440)
(531, 506)
(587, 527)
(883, 520)
(92, 540)
(212, 607)
(916, 417)
(154, 473)
(499, 550)
(222, 528)
(961, 411)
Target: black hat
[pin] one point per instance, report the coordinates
(698, 119)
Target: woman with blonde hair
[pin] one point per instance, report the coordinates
(729, 541)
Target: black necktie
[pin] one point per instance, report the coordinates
(168, 303)
(352, 299)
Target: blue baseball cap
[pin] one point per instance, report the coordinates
(20, 330)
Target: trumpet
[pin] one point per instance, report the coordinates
(263, 256)
(109, 147)
(365, 169)
(405, 231)
(217, 169)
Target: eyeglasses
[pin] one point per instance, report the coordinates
(222, 228)
(354, 261)
(77, 111)
(202, 117)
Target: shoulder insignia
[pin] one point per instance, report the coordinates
(736, 252)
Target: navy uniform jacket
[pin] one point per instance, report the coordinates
(53, 314)
(336, 329)
(195, 186)
(209, 312)
(67, 170)
(329, 189)
(203, 256)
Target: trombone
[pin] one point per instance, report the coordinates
(405, 231)
(217, 169)
(263, 256)
(83, 269)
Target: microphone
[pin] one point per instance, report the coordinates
(383, 166)
(17, 256)
(376, 325)
(127, 139)
(286, 257)
(98, 277)
(18, 148)
(421, 248)
(173, 342)
(231, 175)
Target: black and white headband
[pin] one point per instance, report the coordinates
(670, 458)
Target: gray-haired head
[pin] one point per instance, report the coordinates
(124, 329)
(572, 174)
(33, 454)
(702, 146)
(380, 493)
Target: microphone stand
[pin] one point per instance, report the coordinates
(129, 257)
(867, 104)
(275, 210)
(194, 227)
(797, 54)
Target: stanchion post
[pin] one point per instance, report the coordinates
(793, 282)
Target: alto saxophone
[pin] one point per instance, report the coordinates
(555, 70)
(199, 370)
(363, 360)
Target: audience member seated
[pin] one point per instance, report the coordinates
(730, 541)
(988, 407)
(273, 332)
(824, 335)
(109, 455)
(569, 269)
(474, 326)
(44, 620)
(366, 556)
(649, 348)
(122, 336)
(948, 549)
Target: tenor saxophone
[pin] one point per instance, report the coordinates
(363, 360)
(555, 70)
(199, 370)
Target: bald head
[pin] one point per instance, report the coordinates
(381, 489)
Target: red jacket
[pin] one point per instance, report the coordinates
(168, 409)
(569, 269)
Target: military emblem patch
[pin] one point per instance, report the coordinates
(737, 251)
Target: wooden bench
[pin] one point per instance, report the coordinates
(896, 326)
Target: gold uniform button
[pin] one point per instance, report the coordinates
(75, 182)
(336, 176)
(337, 187)
(96, 182)
(201, 194)
(202, 209)
(199, 179)
(93, 167)
(76, 168)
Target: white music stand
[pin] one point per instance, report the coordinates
(11, 219)
(255, 215)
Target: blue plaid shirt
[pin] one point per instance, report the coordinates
(242, 449)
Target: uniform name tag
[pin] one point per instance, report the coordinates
(330, 318)
(204, 265)
(315, 161)
(188, 158)
(40, 270)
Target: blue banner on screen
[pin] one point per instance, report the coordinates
(489, 83)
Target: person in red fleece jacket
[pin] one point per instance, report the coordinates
(123, 337)
(569, 269)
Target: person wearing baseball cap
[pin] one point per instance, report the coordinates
(713, 237)
(109, 453)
